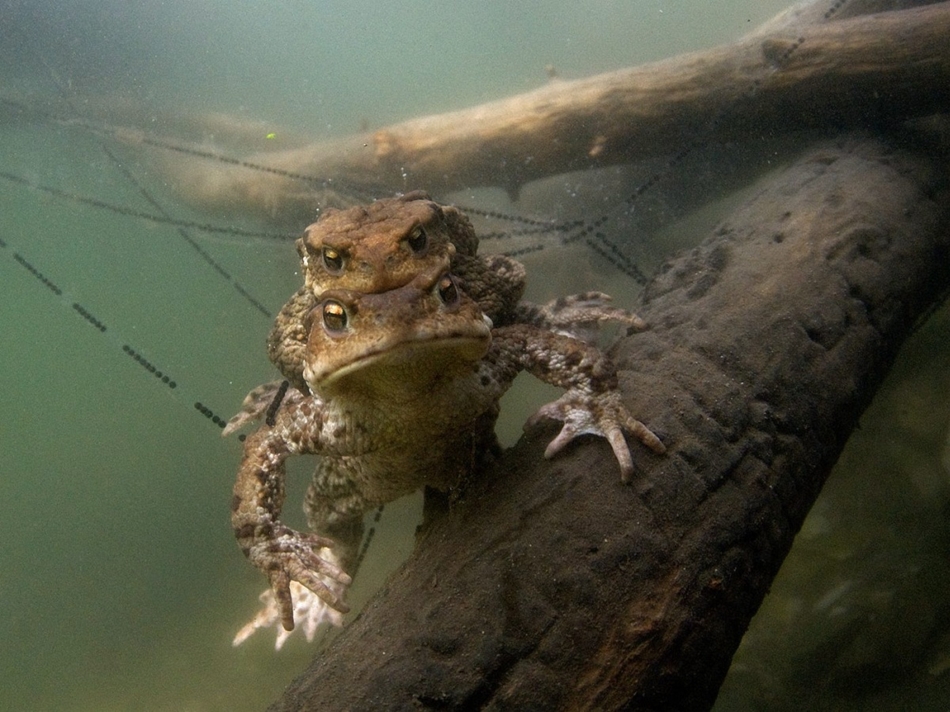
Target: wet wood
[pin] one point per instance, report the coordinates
(553, 586)
(791, 75)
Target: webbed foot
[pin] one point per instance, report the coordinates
(310, 611)
(286, 556)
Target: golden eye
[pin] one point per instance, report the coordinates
(448, 290)
(417, 239)
(332, 260)
(334, 316)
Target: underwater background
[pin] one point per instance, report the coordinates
(121, 585)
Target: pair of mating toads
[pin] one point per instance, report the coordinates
(397, 349)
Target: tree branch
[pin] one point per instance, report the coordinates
(871, 69)
(552, 586)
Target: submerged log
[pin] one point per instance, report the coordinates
(553, 586)
(790, 75)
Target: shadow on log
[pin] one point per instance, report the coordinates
(552, 586)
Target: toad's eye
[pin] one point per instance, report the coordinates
(332, 260)
(334, 316)
(448, 290)
(417, 239)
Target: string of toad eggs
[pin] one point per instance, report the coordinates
(590, 232)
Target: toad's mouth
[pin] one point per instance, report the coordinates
(405, 364)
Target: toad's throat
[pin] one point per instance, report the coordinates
(414, 361)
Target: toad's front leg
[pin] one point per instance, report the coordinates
(580, 316)
(283, 554)
(592, 404)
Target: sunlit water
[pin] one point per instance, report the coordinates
(120, 583)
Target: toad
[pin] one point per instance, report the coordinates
(401, 388)
(383, 245)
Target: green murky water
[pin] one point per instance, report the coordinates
(120, 583)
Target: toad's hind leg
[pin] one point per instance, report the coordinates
(339, 518)
(335, 506)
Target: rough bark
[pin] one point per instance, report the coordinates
(791, 75)
(553, 586)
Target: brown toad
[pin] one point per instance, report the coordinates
(384, 245)
(404, 384)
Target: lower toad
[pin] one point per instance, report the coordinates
(402, 390)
